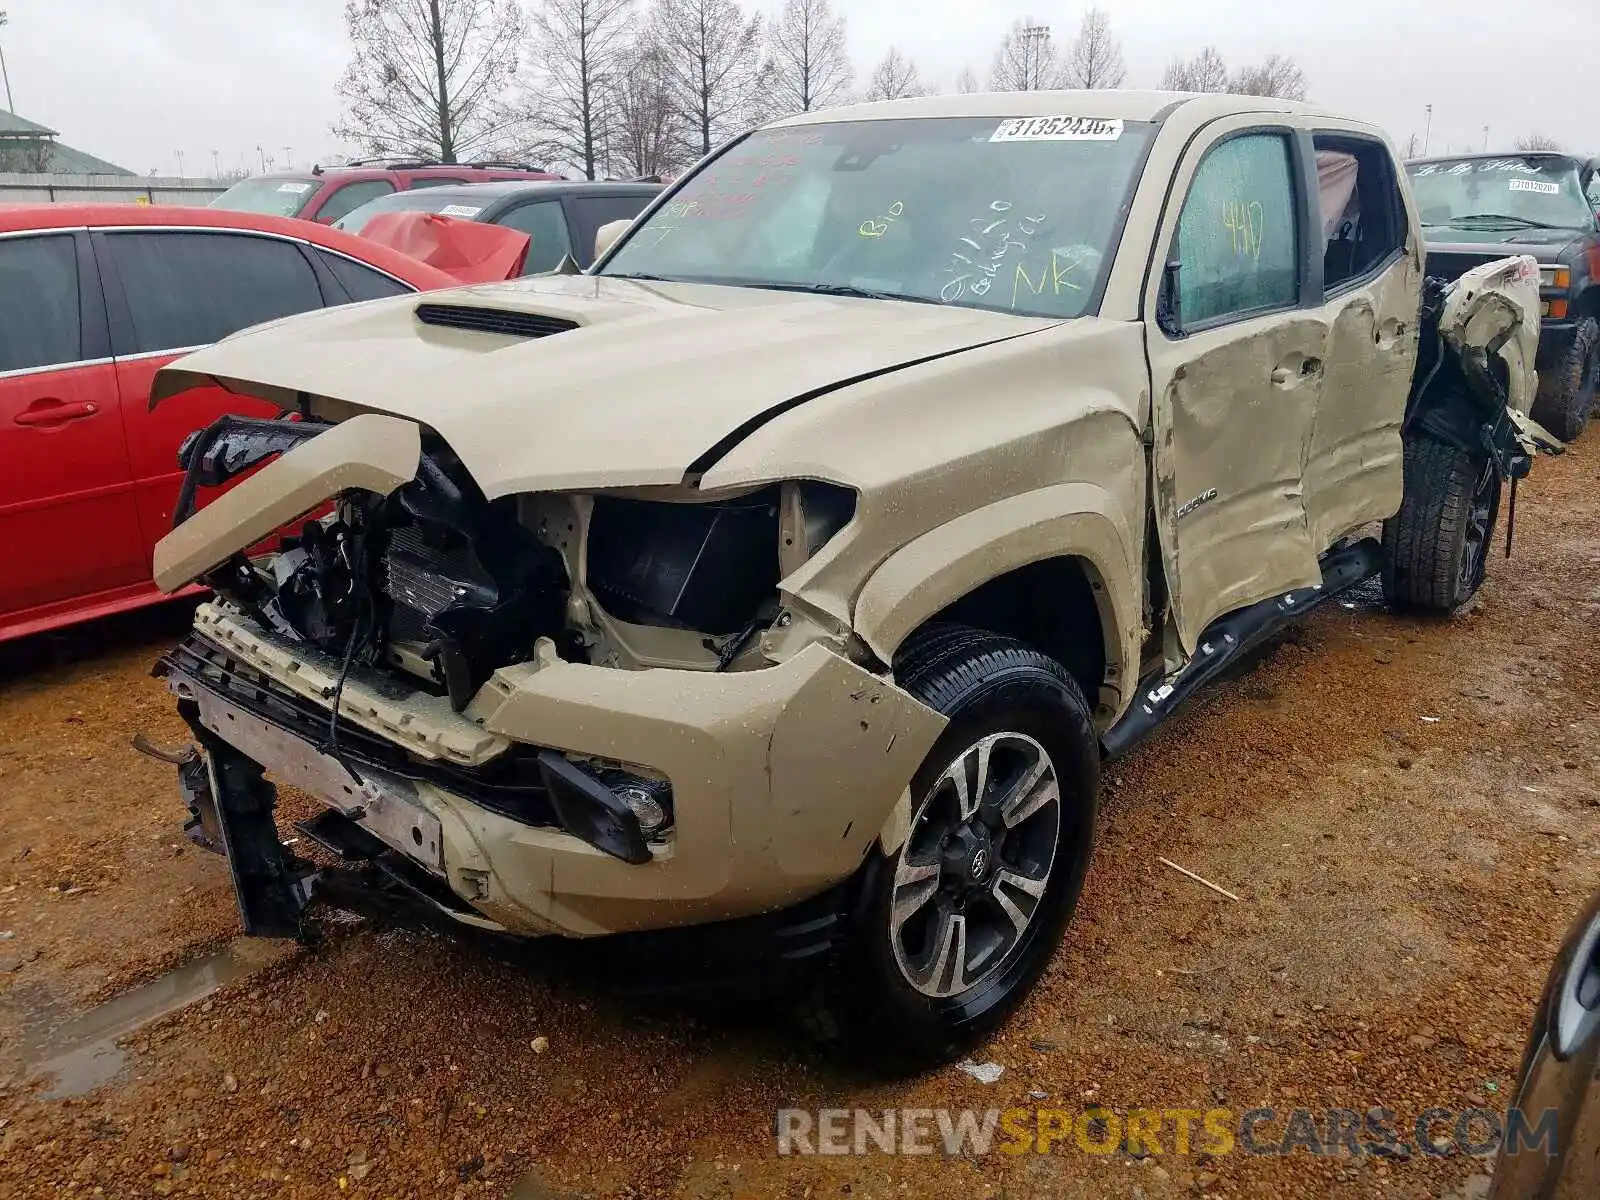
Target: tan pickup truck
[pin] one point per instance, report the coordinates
(802, 560)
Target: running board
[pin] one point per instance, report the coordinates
(1227, 639)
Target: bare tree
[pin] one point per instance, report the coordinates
(1095, 60)
(808, 62)
(646, 140)
(1205, 72)
(27, 156)
(967, 82)
(895, 78)
(581, 46)
(1413, 146)
(429, 77)
(1533, 143)
(712, 55)
(1026, 61)
(1275, 76)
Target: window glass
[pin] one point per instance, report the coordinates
(351, 197)
(190, 289)
(361, 282)
(39, 320)
(1473, 199)
(546, 227)
(1358, 198)
(1013, 214)
(276, 196)
(428, 181)
(1238, 240)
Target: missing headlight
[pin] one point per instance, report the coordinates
(705, 567)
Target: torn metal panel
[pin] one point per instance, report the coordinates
(370, 452)
(1496, 307)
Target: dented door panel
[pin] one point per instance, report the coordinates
(1353, 469)
(1234, 410)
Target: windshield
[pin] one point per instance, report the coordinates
(417, 200)
(1507, 193)
(1016, 215)
(276, 197)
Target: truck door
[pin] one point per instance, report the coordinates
(1371, 268)
(1236, 358)
(68, 528)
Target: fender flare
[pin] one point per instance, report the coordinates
(1070, 520)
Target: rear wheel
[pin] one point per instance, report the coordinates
(1567, 389)
(1438, 543)
(952, 929)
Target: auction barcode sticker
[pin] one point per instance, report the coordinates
(1536, 185)
(294, 189)
(1058, 129)
(460, 210)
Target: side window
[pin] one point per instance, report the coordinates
(1238, 237)
(429, 181)
(351, 197)
(361, 282)
(40, 324)
(190, 289)
(546, 227)
(1362, 213)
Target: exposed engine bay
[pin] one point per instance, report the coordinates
(438, 581)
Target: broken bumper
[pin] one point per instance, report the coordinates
(781, 779)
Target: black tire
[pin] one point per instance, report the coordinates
(1438, 544)
(1000, 693)
(1567, 388)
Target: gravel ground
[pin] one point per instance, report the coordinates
(1408, 811)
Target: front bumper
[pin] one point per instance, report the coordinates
(782, 778)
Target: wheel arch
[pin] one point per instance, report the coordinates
(985, 567)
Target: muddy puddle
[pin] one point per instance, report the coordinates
(76, 1052)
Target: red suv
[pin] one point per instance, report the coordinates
(324, 194)
(93, 301)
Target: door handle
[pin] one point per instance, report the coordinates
(54, 412)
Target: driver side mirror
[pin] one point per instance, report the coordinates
(608, 235)
(1169, 306)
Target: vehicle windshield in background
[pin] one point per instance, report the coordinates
(275, 197)
(1501, 194)
(1017, 215)
(415, 200)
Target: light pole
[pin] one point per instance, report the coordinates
(1032, 35)
(216, 164)
(180, 163)
(4, 21)
(288, 158)
(1485, 138)
(263, 155)
(1428, 136)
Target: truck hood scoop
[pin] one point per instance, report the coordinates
(645, 380)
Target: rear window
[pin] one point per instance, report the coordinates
(275, 197)
(39, 318)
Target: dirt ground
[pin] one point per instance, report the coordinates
(1408, 811)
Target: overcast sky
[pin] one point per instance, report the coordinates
(138, 82)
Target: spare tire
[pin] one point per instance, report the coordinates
(1437, 545)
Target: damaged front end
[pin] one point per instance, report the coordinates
(505, 702)
(1475, 377)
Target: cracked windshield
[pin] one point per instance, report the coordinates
(1015, 215)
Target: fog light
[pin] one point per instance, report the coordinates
(651, 812)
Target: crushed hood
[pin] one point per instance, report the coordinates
(629, 384)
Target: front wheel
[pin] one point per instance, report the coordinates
(1437, 545)
(1567, 390)
(954, 926)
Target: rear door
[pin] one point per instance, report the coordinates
(173, 290)
(1371, 271)
(1236, 358)
(67, 524)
